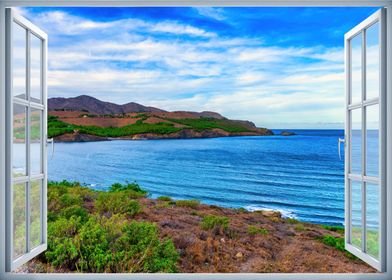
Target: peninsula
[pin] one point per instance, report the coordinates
(85, 118)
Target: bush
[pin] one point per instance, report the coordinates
(299, 227)
(117, 187)
(139, 250)
(339, 229)
(253, 230)
(62, 250)
(93, 247)
(193, 203)
(84, 242)
(116, 203)
(63, 183)
(75, 211)
(164, 198)
(215, 222)
(292, 221)
(338, 243)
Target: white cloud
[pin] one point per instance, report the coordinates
(242, 78)
(210, 12)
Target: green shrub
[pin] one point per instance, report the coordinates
(63, 183)
(192, 203)
(292, 221)
(84, 242)
(117, 187)
(62, 250)
(75, 211)
(242, 210)
(299, 227)
(164, 198)
(117, 203)
(336, 242)
(253, 230)
(93, 247)
(214, 222)
(140, 250)
(339, 229)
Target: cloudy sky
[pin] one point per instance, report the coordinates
(278, 67)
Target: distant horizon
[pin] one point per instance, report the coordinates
(273, 66)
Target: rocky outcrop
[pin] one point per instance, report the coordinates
(287, 133)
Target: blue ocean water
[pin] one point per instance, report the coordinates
(301, 176)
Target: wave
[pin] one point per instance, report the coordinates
(285, 213)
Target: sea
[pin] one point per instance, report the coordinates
(301, 176)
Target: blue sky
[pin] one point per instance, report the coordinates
(278, 67)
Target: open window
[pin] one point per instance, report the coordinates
(26, 158)
(365, 141)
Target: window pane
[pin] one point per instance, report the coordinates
(356, 214)
(373, 61)
(19, 59)
(356, 69)
(19, 219)
(372, 140)
(356, 141)
(35, 83)
(35, 145)
(372, 219)
(35, 214)
(19, 141)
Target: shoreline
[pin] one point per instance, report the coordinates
(188, 236)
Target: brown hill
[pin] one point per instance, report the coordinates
(95, 106)
(85, 118)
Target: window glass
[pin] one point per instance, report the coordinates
(372, 220)
(35, 213)
(19, 61)
(35, 60)
(356, 141)
(19, 141)
(35, 141)
(356, 69)
(356, 214)
(372, 140)
(373, 61)
(19, 219)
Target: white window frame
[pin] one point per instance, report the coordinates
(31, 30)
(363, 179)
(186, 3)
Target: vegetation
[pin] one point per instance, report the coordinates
(117, 187)
(164, 198)
(93, 231)
(215, 222)
(57, 127)
(339, 229)
(192, 203)
(122, 230)
(292, 221)
(201, 124)
(254, 230)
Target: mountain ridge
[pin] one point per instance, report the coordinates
(85, 118)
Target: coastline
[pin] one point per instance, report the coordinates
(183, 134)
(198, 237)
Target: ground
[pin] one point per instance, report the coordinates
(190, 237)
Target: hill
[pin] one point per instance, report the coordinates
(85, 118)
(123, 230)
(95, 106)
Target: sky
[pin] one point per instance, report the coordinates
(277, 67)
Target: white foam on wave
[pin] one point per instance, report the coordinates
(285, 213)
